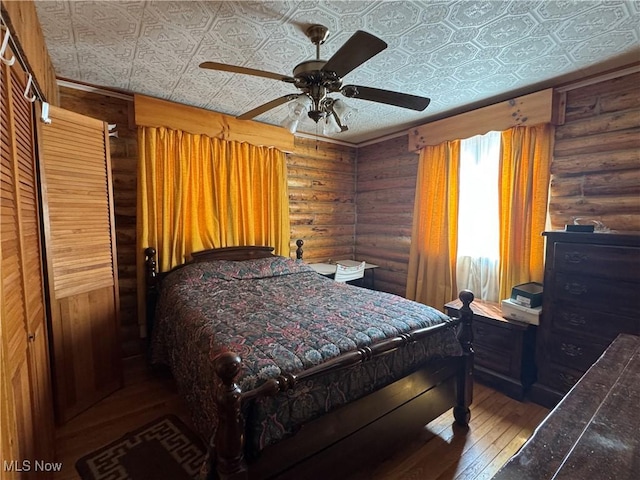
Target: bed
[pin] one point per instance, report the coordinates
(288, 373)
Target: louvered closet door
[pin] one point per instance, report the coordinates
(81, 260)
(27, 412)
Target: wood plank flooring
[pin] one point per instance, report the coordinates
(499, 426)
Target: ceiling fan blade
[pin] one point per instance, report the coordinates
(357, 50)
(268, 106)
(247, 71)
(397, 99)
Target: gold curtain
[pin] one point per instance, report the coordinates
(524, 188)
(432, 259)
(197, 192)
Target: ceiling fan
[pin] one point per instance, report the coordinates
(317, 78)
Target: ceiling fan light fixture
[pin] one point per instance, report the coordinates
(330, 125)
(344, 111)
(297, 110)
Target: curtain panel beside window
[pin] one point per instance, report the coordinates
(432, 259)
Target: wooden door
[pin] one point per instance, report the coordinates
(27, 412)
(82, 281)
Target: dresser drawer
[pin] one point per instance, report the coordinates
(606, 325)
(602, 294)
(559, 378)
(616, 262)
(497, 337)
(576, 352)
(492, 359)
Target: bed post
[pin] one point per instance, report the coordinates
(151, 282)
(299, 250)
(461, 411)
(226, 450)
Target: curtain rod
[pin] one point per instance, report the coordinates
(23, 63)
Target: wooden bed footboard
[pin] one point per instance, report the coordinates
(226, 452)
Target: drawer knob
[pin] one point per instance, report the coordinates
(568, 380)
(571, 350)
(575, 288)
(575, 257)
(574, 319)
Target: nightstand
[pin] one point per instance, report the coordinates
(504, 349)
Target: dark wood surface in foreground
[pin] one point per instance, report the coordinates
(499, 426)
(593, 432)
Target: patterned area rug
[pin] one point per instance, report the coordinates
(162, 449)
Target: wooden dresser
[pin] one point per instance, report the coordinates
(591, 294)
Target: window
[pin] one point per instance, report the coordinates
(477, 267)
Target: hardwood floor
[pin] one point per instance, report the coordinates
(499, 426)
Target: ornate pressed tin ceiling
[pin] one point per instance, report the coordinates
(458, 53)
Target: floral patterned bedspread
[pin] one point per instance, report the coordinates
(280, 316)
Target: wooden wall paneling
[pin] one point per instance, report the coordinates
(118, 110)
(595, 172)
(385, 197)
(81, 260)
(26, 382)
(25, 28)
(321, 182)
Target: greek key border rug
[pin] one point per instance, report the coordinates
(162, 449)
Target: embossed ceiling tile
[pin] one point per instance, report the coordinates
(433, 12)
(523, 6)
(565, 9)
(503, 82)
(282, 55)
(271, 12)
(238, 33)
(210, 49)
(192, 16)
(527, 49)
(387, 61)
(464, 35)
(454, 54)
(476, 69)
(151, 81)
(415, 73)
(167, 37)
(120, 20)
(392, 18)
(352, 22)
(427, 38)
(543, 67)
(604, 45)
(340, 8)
(505, 30)
(475, 13)
(592, 22)
(168, 61)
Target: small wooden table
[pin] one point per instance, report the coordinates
(504, 349)
(593, 431)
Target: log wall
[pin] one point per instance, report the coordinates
(386, 187)
(595, 173)
(322, 179)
